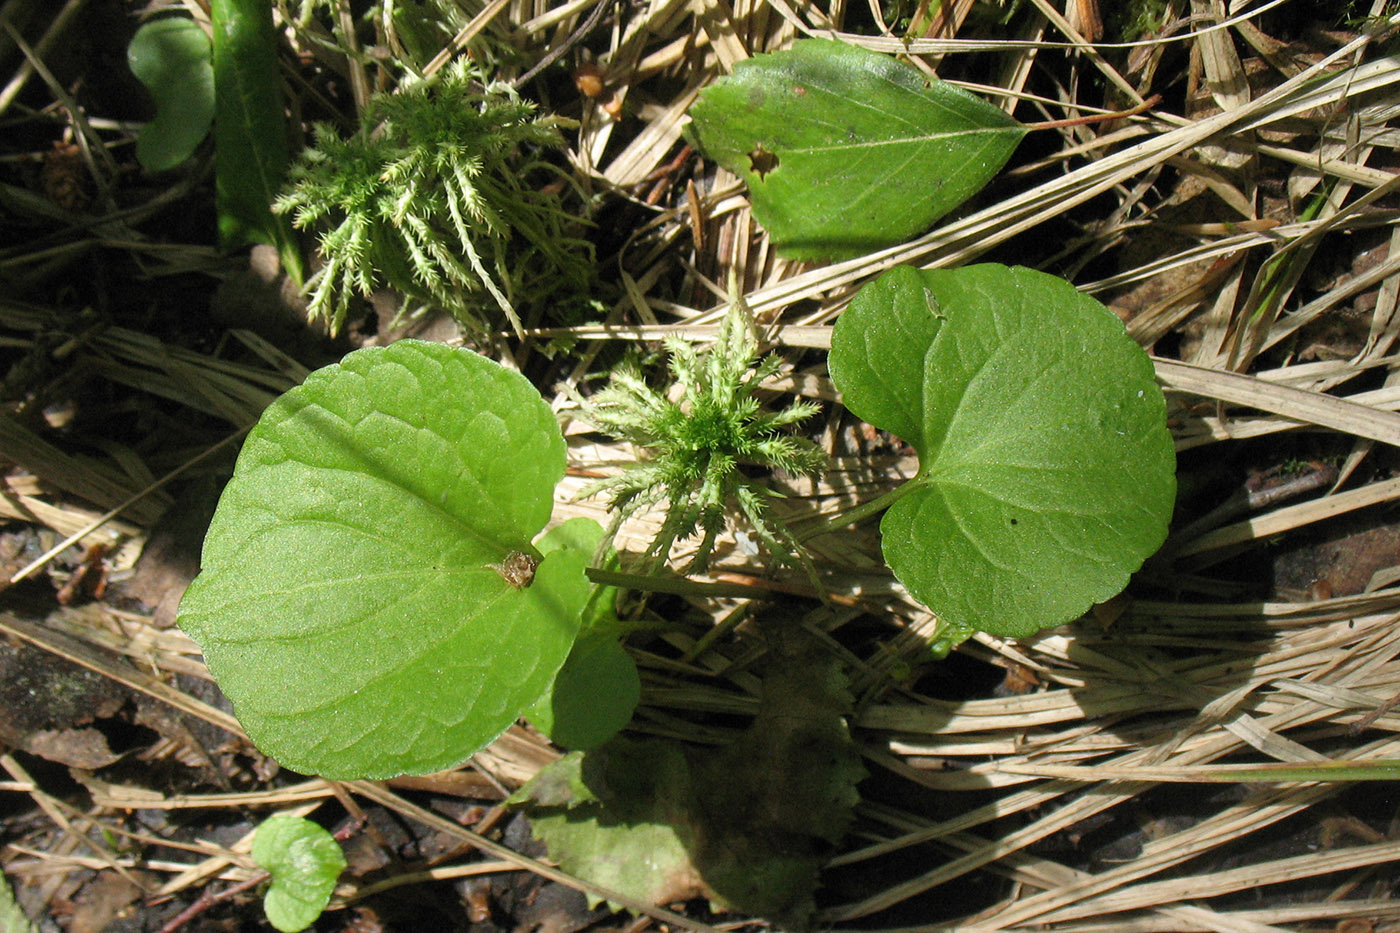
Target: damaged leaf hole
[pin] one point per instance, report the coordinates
(761, 161)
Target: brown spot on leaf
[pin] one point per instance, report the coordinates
(761, 161)
(518, 569)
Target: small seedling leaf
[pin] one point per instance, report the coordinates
(846, 150)
(1046, 469)
(363, 599)
(171, 56)
(250, 129)
(304, 861)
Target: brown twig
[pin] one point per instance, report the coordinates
(1143, 107)
(554, 54)
(207, 900)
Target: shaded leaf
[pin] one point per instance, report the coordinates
(304, 861)
(593, 697)
(746, 826)
(171, 57)
(355, 601)
(797, 765)
(620, 816)
(846, 150)
(1046, 469)
(250, 130)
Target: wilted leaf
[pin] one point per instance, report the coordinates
(746, 826)
(622, 817)
(1046, 471)
(845, 150)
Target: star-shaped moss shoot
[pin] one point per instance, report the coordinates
(699, 446)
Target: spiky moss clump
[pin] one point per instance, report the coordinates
(696, 446)
(443, 196)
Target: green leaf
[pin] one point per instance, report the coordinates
(304, 860)
(1046, 469)
(250, 130)
(584, 536)
(171, 56)
(362, 600)
(846, 151)
(12, 916)
(593, 697)
(597, 689)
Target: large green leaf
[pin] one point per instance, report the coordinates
(845, 150)
(1046, 469)
(354, 601)
(250, 129)
(304, 861)
(171, 56)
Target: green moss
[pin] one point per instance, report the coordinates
(1132, 20)
(697, 444)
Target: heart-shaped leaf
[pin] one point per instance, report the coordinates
(304, 860)
(1046, 470)
(366, 599)
(846, 150)
(171, 56)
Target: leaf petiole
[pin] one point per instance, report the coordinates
(858, 513)
(675, 585)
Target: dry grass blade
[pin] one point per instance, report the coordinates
(89, 480)
(86, 655)
(1306, 407)
(1294, 516)
(1384, 770)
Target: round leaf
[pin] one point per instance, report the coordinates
(304, 860)
(365, 600)
(846, 150)
(171, 56)
(1046, 469)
